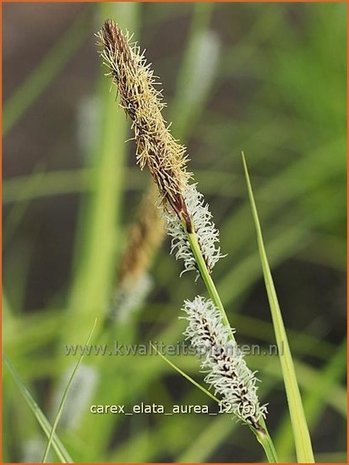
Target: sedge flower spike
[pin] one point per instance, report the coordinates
(223, 361)
(144, 238)
(156, 148)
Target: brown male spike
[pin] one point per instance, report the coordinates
(156, 147)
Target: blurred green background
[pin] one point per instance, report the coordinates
(269, 79)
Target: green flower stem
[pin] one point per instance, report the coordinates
(206, 277)
(262, 435)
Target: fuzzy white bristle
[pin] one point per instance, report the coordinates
(207, 234)
(223, 361)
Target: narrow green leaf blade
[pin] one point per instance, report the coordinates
(65, 394)
(185, 375)
(299, 424)
(42, 420)
(43, 74)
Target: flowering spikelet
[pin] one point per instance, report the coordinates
(184, 207)
(144, 238)
(223, 362)
(156, 147)
(208, 235)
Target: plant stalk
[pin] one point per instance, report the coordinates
(265, 440)
(206, 277)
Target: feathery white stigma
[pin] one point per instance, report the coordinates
(223, 361)
(207, 234)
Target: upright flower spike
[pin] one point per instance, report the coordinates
(144, 238)
(156, 147)
(184, 206)
(223, 361)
